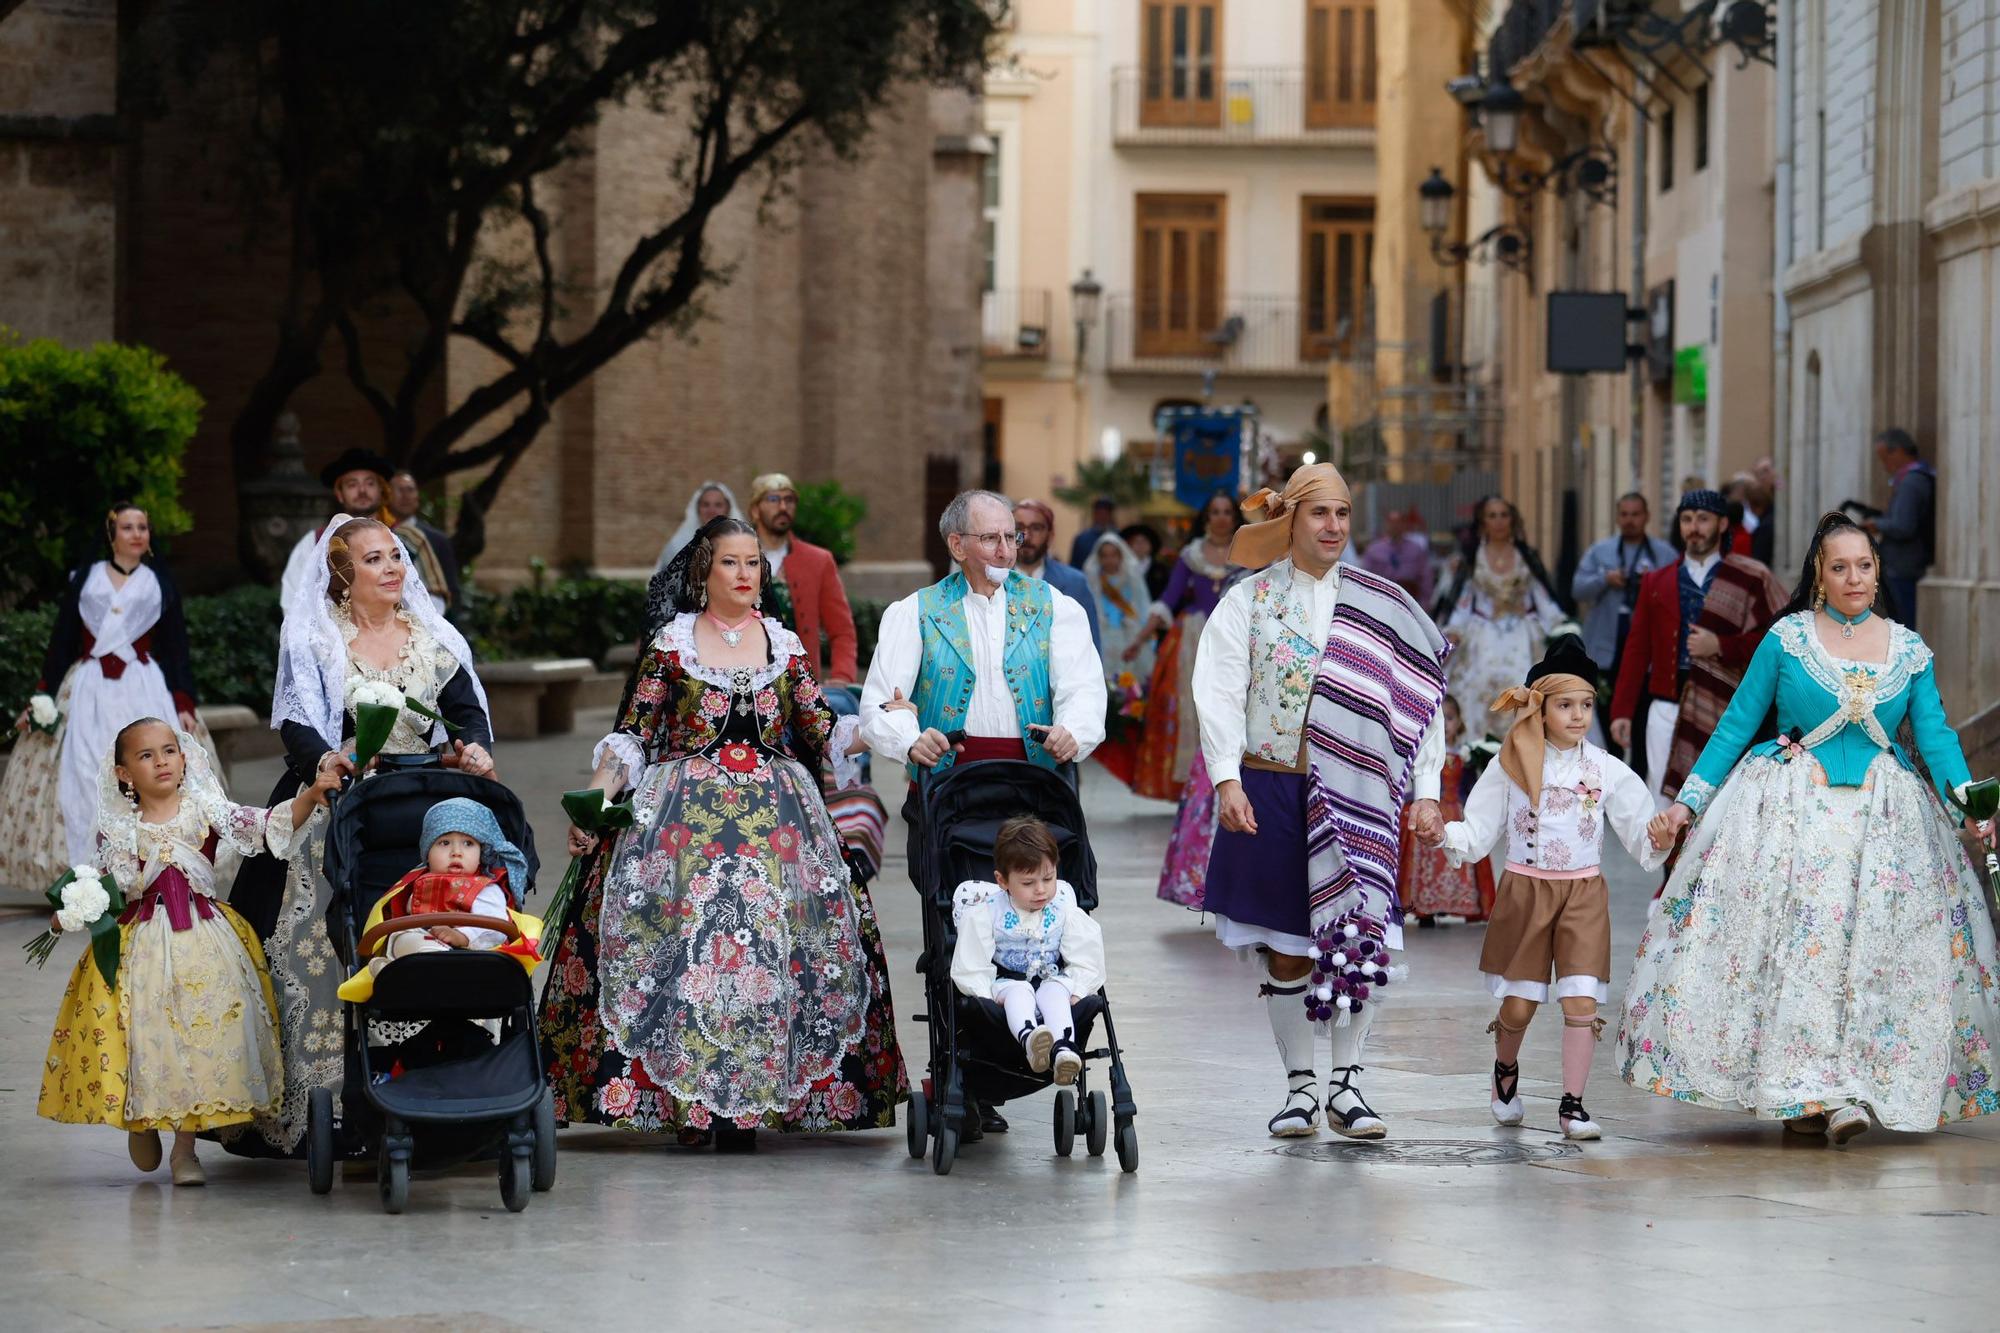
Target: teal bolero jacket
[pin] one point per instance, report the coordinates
(1846, 713)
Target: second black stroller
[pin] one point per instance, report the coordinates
(973, 1055)
(470, 1097)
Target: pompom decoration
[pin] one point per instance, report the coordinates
(1349, 961)
(1312, 951)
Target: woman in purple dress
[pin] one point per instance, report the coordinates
(1167, 751)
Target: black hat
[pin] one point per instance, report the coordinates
(356, 460)
(1146, 530)
(1704, 501)
(1565, 657)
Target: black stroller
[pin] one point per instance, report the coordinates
(973, 1056)
(468, 1096)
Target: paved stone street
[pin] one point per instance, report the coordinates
(1678, 1218)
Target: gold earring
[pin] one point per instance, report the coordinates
(1819, 597)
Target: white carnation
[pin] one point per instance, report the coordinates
(377, 692)
(43, 710)
(83, 902)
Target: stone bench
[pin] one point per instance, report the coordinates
(533, 698)
(240, 736)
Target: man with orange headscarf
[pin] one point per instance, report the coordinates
(1318, 689)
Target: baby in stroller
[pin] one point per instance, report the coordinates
(1025, 943)
(469, 868)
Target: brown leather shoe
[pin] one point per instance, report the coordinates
(144, 1146)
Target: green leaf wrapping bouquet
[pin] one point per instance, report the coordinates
(589, 811)
(1981, 801)
(377, 704)
(84, 899)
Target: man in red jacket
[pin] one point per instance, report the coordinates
(1697, 623)
(819, 602)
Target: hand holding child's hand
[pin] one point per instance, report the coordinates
(1427, 822)
(1666, 826)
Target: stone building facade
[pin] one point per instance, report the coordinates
(1889, 285)
(844, 344)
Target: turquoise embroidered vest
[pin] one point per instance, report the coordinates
(945, 674)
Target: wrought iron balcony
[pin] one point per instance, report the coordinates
(1273, 106)
(1014, 323)
(1268, 336)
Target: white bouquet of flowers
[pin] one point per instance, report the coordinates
(43, 715)
(85, 899)
(377, 704)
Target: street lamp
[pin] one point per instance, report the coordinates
(1434, 203)
(1508, 244)
(1500, 115)
(1084, 295)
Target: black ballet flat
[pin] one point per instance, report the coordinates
(728, 1138)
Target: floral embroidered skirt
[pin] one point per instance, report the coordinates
(1819, 947)
(1186, 870)
(189, 1039)
(718, 964)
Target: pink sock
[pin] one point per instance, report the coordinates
(1579, 1044)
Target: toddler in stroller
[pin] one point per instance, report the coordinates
(1025, 943)
(447, 1091)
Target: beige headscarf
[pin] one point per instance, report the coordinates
(1258, 544)
(1521, 752)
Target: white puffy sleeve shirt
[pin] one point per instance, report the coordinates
(1222, 683)
(1584, 792)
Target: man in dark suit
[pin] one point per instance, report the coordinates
(404, 499)
(1103, 519)
(1036, 522)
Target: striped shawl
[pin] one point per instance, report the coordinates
(1379, 684)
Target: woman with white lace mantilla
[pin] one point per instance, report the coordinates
(718, 970)
(366, 617)
(1823, 955)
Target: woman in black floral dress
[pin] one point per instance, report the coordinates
(718, 970)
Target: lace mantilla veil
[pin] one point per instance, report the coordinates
(312, 652)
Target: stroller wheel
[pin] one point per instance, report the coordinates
(319, 1140)
(1065, 1121)
(1128, 1148)
(392, 1178)
(1097, 1125)
(916, 1123)
(544, 1173)
(945, 1152)
(517, 1178)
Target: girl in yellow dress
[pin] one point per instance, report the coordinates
(187, 1039)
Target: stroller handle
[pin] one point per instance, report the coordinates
(425, 920)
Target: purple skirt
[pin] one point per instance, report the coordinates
(1260, 879)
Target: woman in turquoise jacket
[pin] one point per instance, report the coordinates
(1822, 955)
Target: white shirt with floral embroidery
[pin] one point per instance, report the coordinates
(1583, 790)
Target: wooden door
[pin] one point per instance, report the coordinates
(1179, 278)
(1340, 64)
(1180, 63)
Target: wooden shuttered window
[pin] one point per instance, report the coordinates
(1340, 64)
(1180, 72)
(1179, 277)
(1337, 250)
